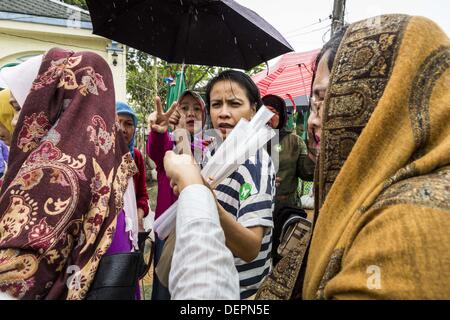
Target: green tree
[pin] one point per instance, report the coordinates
(79, 3)
(141, 86)
(257, 69)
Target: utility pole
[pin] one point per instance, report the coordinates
(338, 15)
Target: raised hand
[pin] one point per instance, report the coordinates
(160, 121)
(175, 120)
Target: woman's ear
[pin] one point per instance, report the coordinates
(253, 107)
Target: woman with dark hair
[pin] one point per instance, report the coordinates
(245, 198)
(291, 159)
(381, 214)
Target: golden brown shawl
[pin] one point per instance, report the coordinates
(383, 230)
(68, 169)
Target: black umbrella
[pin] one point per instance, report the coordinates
(204, 32)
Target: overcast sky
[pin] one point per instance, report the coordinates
(298, 20)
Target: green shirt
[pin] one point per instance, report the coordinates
(294, 163)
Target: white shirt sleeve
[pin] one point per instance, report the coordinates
(202, 266)
(131, 215)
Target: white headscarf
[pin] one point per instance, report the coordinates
(2, 84)
(131, 215)
(19, 79)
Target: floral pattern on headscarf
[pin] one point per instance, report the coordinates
(68, 171)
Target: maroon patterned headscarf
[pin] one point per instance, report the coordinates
(69, 167)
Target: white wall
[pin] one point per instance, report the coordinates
(19, 39)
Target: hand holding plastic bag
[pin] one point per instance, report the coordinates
(242, 143)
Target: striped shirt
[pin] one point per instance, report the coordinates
(248, 194)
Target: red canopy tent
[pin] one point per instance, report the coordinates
(290, 78)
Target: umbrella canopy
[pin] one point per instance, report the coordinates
(203, 32)
(176, 88)
(290, 78)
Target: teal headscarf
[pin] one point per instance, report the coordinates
(123, 108)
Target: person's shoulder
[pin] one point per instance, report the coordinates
(263, 155)
(293, 136)
(296, 142)
(423, 190)
(257, 163)
(260, 156)
(416, 204)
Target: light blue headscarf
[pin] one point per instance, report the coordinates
(123, 108)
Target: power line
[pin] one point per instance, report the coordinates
(309, 32)
(310, 25)
(323, 37)
(301, 42)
